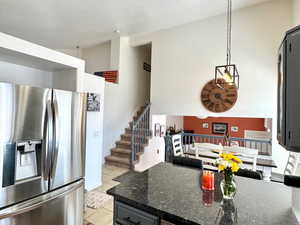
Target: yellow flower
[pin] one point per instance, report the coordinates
(221, 167)
(234, 167)
(226, 156)
(236, 159)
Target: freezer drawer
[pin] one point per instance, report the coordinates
(63, 206)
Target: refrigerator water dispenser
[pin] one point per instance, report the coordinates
(27, 160)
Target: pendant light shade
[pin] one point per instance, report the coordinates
(227, 73)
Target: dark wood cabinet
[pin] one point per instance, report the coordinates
(288, 130)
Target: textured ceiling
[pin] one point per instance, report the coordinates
(66, 23)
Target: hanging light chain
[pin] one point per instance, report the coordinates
(227, 74)
(229, 29)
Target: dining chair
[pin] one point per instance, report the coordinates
(292, 164)
(187, 162)
(177, 145)
(250, 174)
(204, 151)
(246, 154)
(291, 180)
(208, 146)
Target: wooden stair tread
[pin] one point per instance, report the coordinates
(128, 143)
(118, 159)
(130, 135)
(121, 150)
(122, 142)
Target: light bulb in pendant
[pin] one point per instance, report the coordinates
(228, 77)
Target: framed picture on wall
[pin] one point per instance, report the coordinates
(205, 125)
(162, 130)
(219, 128)
(157, 129)
(93, 102)
(234, 128)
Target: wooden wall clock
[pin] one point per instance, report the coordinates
(219, 98)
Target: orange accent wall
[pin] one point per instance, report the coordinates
(194, 123)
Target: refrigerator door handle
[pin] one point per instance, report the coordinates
(56, 134)
(48, 139)
(39, 201)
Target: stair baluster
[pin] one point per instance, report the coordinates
(140, 132)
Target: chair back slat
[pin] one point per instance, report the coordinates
(247, 153)
(292, 164)
(177, 145)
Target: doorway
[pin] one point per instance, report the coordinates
(144, 67)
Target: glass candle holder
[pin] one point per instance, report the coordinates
(208, 180)
(208, 198)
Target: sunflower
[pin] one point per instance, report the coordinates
(234, 167)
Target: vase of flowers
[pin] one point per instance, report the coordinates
(228, 164)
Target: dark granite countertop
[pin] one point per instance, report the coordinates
(174, 193)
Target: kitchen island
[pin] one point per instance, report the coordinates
(172, 193)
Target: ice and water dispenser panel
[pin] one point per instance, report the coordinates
(27, 160)
(22, 162)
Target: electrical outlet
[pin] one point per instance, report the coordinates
(97, 133)
(157, 151)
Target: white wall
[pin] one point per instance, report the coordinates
(184, 59)
(144, 77)
(296, 12)
(18, 74)
(175, 120)
(72, 52)
(115, 53)
(94, 134)
(97, 58)
(65, 80)
(123, 99)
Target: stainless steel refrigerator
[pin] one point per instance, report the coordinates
(42, 152)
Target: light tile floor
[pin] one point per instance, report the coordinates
(104, 215)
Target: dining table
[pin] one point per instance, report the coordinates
(209, 153)
(173, 193)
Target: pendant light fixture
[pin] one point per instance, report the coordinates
(227, 73)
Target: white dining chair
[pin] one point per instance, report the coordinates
(245, 154)
(177, 145)
(208, 146)
(292, 164)
(205, 153)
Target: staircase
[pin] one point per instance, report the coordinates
(139, 133)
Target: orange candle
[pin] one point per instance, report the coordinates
(208, 180)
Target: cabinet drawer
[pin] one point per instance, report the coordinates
(127, 215)
(162, 222)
